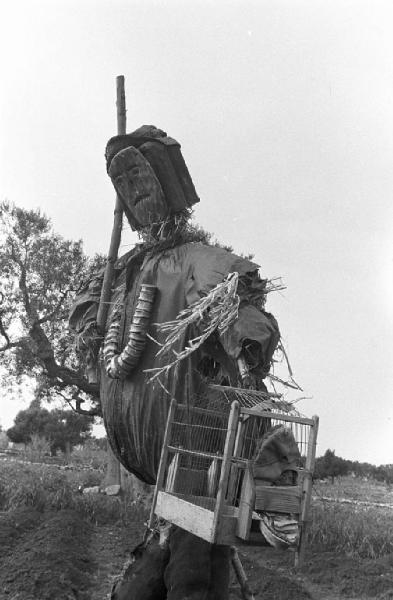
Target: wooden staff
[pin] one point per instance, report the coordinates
(241, 575)
(117, 219)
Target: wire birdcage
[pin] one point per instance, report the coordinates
(209, 481)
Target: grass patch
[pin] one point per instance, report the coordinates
(355, 488)
(46, 488)
(37, 486)
(89, 455)
(355, 530)
(365, 532)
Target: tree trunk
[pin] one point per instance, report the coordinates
(116, 474)
(112, 475)
(67, 452)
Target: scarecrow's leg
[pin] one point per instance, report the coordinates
(196, 570)
(144, 577)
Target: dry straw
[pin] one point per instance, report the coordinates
(215, 311)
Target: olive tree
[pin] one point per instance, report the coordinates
(40, 272)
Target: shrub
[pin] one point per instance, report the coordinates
(90, 454)
(44, 487)
(37, 448)
(33, 485)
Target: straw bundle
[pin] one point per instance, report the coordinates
(215, 311)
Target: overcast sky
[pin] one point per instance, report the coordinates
(284, 112)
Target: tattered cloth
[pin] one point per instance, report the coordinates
(134, 410)
(276, 462)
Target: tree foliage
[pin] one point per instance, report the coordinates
(3, 440)
(330, 465)
(60, 427)
(40, 274)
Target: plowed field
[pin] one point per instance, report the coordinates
(60, 556)
(56, 544)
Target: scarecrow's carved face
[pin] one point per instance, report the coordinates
(138, 188)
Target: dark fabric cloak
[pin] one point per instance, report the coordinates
(135, 410)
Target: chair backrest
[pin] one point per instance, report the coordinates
(257, 490)
(208, 482)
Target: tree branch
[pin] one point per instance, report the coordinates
(44, 350)
(4, 334)
(93, 412)
(31, 314)
(60, 375)
(27, 232)
(52, 314)
(9, 344)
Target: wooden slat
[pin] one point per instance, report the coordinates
(163, 460)
(226, 465)
(307, 489)
(186, 512)
(235, 474)
(246, 506)
(213, 477)
(192, 518)
(202, 411)
(210, 455)
(282, 499)
(203, 501)
(172, 473)
(227, 532)
(276, 416)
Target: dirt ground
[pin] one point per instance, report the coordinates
(58, 556)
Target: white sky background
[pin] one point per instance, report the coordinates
(284, 112)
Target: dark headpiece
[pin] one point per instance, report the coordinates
(164, 156)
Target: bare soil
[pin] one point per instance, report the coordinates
(44, 556)
(59, 556)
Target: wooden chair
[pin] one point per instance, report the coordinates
(205, 481)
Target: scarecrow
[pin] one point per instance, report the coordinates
(183, 314)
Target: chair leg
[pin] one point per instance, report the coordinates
(241, 575)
